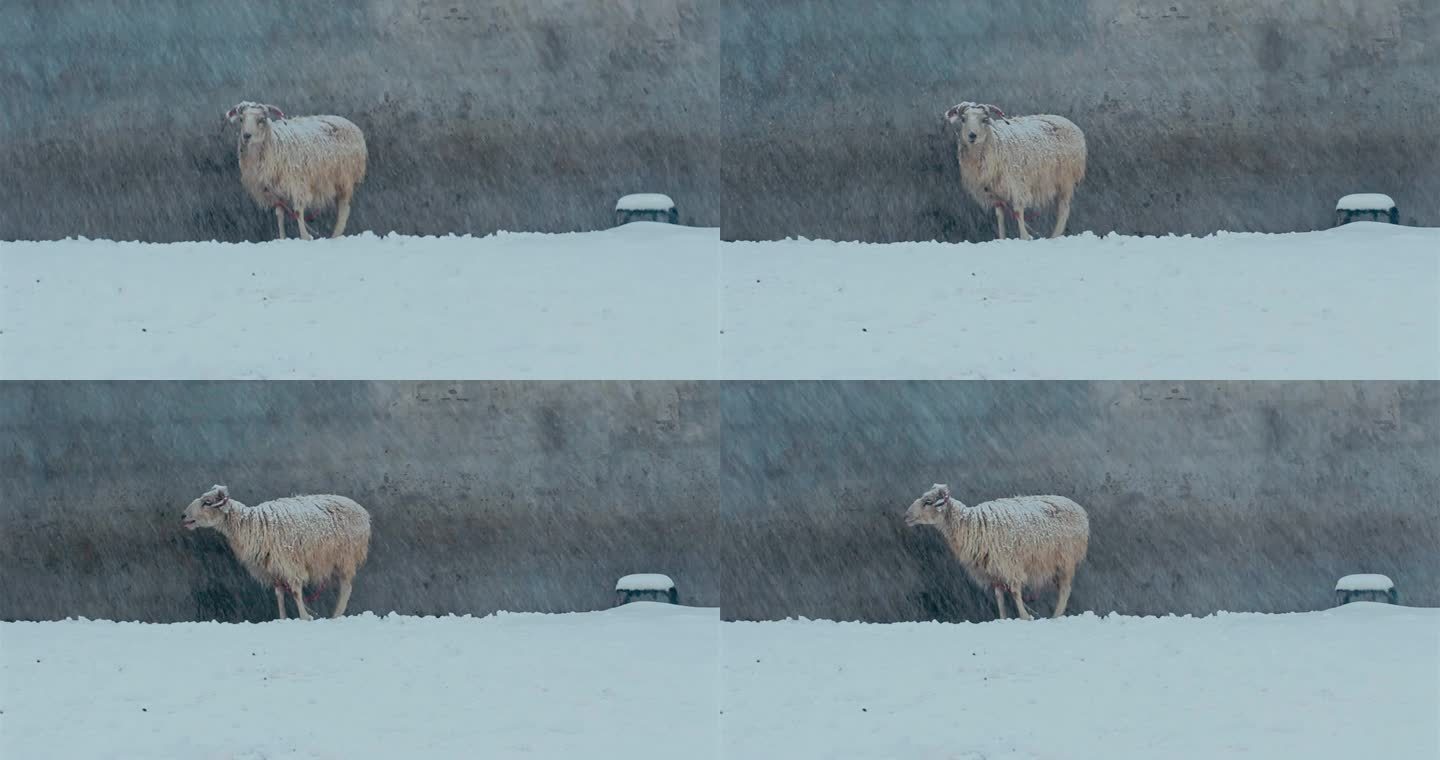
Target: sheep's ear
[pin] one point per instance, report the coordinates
(953, 115)
(942, 493)
(233, 114)
(274, 112)
(994, 111)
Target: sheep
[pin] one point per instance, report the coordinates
(289, 542)
(1018, 164)
(1010, 543)
(295, 165)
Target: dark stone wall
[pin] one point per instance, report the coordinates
(765, 499)
(1202, 496)
(1199, 116)
(816, 118)
(484, 496)
(479, 115)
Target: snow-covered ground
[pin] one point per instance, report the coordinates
(1361, 681)
(656, 681)
(650, 301)
(1357, 302)
(639, 681)
(637, 302)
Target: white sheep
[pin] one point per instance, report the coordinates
(1018, 164)
(290, 542)
(298, 165)
(1008, 544)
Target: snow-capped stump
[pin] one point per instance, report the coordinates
(1366, 207)
(645, 587)
(1366, 587)
(1365, 201)
(646, 207)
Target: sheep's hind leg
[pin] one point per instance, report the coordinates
(1020, 222)
(1000, 601)
(280, 601)
(1065, 578)
(341, 217)
(1063, 215)
(1020, 603)
(297, 590)
(344, 598)
(280, 221)
(1000, 233)
(300, 220)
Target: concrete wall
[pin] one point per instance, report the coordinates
(484, 496)
(1200, 114)
(1202, 496)
(479, 114)
(767, 499)
(805, 117)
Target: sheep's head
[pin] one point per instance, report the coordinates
(930, 508)
(208, 510)
(972, 121)
(254, 120)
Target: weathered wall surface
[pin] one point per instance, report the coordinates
(1200, 115)
(484, 496)
(767, 499)
(1202, 496)
(805, 117)
(479, 114)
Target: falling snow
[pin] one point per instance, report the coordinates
(534, 402)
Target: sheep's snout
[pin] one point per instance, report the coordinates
(246, 136)
(971, 137)
(188, 523)
(915, 514)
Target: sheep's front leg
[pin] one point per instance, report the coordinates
(1000, 601)
(1063, 215)
(280, 222)
(300, 220)
(297, 590)
(280, 601)
(999, 222)
(341, 217)
(1020, 222)
(344, 598)
(1015, 592)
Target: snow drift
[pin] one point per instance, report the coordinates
(657, 301)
